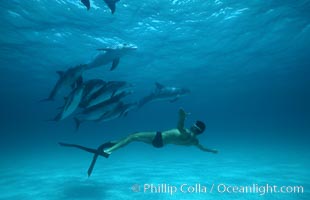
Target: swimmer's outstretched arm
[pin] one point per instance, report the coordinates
(181, 120)
(201, 147)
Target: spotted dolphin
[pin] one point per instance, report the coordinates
(72, 101)
(91, 87)
(107, 91)
(120, 110)
(96, 112)
(66, 78)
(110, 55)
(162, 92)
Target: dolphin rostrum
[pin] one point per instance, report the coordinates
(164, 93)
(111, 55)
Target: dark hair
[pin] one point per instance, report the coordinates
(201, 126)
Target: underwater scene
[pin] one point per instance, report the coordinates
(154, 99)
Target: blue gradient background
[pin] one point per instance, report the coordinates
(246, 63)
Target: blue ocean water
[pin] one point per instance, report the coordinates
(245, 62)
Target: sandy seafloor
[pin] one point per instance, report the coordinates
(125, 174)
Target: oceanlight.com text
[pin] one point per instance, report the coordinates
(220, 188)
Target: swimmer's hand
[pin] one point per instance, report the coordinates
(182, 113)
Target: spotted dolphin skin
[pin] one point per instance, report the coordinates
(164, 93)
(121, 110)
(66, 78)
(107, 91)
(72, 101)
(96, 112)
(110, 55)
(109, 3)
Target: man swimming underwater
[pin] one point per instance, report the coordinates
(178, 136)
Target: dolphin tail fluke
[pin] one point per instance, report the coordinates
(55, 119)
(111, 5)
(86, 3)
(77, 123)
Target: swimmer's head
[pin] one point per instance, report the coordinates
(198, 127)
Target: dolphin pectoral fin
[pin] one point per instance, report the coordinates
(56, 118)
(60, 107)
(113, 93)
(60, 73)
(86, 3)
(77, 123)
(115, 63)
(45, 100)
(174, 100)
(125, 114)
(103, 115)
(159, 86)
(79, 81)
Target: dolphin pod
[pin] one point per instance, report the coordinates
(101, 101)
(98, 101)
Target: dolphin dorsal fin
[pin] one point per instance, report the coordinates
(60, 73)
(159, 86)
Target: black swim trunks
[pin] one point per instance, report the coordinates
(158, 140)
